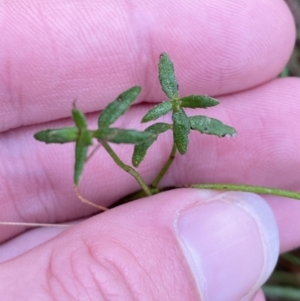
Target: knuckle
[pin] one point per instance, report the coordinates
(85, 274)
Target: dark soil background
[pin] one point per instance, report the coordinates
(284, 284)
(293, 67)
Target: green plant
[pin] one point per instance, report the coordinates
(181, 127)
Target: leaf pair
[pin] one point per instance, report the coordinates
(83, 137)
(182, 124)
(83, 141)
(141, 149)
(79, 134)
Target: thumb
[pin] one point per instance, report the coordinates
(179, 245)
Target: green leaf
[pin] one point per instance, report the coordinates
(181, 130)
(80, 157)
(81, 148)
(63, 135)
(116, 135)
(118, 107)
(158, 111)
(141, 149)
(85, 137)
(79, 118)
(167, 77)
(211, 126)
(198, 101)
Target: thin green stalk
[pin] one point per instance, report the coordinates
(127, 168)
(248, 188)
(135, 196)
(291, 258)
(165, 167)
(283, 278)
(281, 292)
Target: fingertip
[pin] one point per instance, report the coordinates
(232, 241)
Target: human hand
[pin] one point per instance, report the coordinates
(55, 52)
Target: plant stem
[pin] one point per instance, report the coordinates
(248, 188)
(83, 200)
(92, 153)
(165, 167)
(134, 196)
(34, 224)
(291, 259)
(281, 293)
(127, 168)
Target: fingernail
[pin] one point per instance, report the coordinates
(231, 244)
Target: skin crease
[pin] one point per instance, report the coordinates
(50, 58)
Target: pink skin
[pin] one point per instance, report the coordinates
(56, 52)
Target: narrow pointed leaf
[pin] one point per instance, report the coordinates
(63, 135)
(181, 130)
(198, 101)
(118, 107)
(211, 126)
(141, 149)
(79, 118)
(158, 111)
(81, 148)
(80, 157)
(167, 77)
(116, 135)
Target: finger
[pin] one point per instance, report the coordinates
(27, 241)
(287, 212)
(34, 236)
(259, 296)
(57, 52)
(265, 152)
(196, 246)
